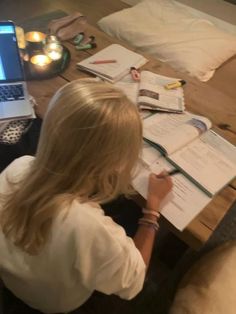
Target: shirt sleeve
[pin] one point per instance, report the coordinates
(14, 172)
(112, 264)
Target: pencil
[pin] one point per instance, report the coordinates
(103, 61)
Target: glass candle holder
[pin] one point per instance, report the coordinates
(40, 62)
(53, 51)
(35, 40)
(52, 39)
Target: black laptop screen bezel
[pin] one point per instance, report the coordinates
(22, 78)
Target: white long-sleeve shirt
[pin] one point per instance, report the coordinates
(86, 251)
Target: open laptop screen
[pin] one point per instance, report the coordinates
(10, 63)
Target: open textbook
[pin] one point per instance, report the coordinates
(153, 95)
(149, 93)
(188, 143)
(112, 72)
(185, 200)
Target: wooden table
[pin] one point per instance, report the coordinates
(200, 229)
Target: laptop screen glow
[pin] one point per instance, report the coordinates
(10, 64)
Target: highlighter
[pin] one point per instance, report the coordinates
(85, 47)
(175, 84)
(78, 38)
(87, 40)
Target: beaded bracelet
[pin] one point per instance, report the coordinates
(148, 222)
(150, 225)
(151, 212)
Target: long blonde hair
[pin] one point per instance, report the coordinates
(89, 144)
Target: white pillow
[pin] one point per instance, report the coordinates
(170, 33)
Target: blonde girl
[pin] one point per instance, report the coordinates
(56, 244)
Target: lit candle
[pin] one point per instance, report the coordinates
(52, 38)
(53, 50)
(34, 40)
(35, 37)
(40, 60)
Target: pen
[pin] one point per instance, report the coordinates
(172, 172)
(103, 61)
(175, 84)
(79, 38)
(168, 173)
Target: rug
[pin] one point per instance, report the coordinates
(41, 22)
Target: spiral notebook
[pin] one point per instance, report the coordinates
(112, 72)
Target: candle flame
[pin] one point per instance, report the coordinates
(54, 55)
(36, 36)
(40, 60)
(53, 50)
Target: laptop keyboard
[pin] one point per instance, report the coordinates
(11, 92)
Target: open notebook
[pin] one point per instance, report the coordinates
(112, 72)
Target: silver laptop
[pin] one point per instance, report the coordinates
(14, 98)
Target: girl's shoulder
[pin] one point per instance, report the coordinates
(19, 165)
(16, 169)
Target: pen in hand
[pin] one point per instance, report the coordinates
(168, 173)
(173, 172)
(164, 173)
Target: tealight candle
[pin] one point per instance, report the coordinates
(35, 39)
(52, 39)
(40, 60)
(53, 50)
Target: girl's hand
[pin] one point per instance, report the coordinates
(159, 186)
